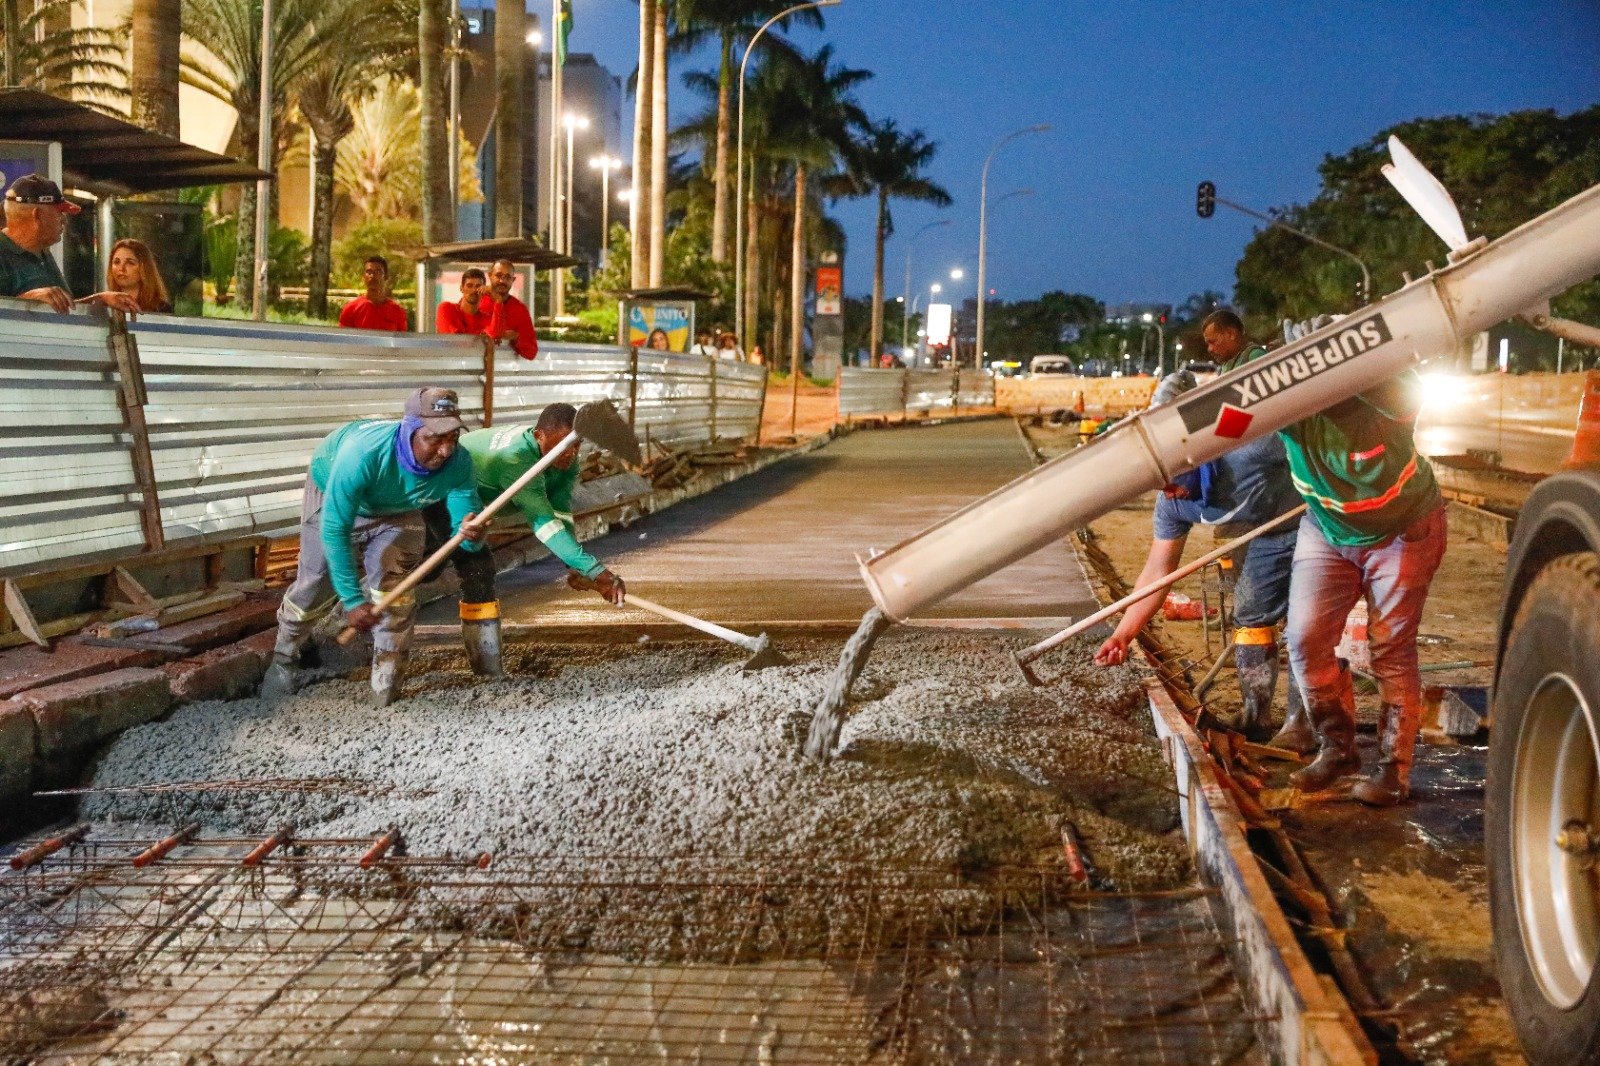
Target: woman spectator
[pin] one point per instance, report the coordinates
(728, 347)
(133, 270)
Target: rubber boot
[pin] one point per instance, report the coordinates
(1255, 657)
(1390, 783)
(1297, 734)
(1336, 754)
(282, 677)
(482, 640)
(388, 677)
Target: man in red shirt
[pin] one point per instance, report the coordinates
(466, 315)
(374, 310)
(509, 317)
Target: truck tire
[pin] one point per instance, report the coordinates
(1543, 784)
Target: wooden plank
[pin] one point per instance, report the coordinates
(125, 357)
(488, 382)
(126, 586)
(22, 615)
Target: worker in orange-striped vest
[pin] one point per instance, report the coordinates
(1374, 528)
(1244, 489)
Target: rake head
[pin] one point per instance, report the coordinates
(599, 423)
(1026, 667)
(765, 656)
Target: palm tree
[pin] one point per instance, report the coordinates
(811, 130)
(379, 163)
(156, 31)
(888, 164)
(230, 33)
(438, 215)
(727, 23)
(45, 51)
(374, 42)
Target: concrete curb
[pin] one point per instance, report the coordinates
(1307, 1023)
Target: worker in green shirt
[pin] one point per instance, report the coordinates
(368, 484)
(499, 457)
(1374, 528)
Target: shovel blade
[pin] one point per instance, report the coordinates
(599, 423)
(765, 656)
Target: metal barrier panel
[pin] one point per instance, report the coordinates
(67, 486)
(974, 388)
(865, 392)
(930, 390)
(235, 409)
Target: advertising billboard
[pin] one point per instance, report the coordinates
(938, 325)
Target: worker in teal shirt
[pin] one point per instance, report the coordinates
(368, 484)
(499, 457)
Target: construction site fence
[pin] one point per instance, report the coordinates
(1059, 392)
(870, 393)
(122, 439)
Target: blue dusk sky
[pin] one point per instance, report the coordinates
(1147, 98)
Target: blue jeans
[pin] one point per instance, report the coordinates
(1394, 578)
(1261, 591)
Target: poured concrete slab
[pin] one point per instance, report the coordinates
(781, 544)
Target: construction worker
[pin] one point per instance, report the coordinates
(362, 511)
(499, 457)
(1245, 488)
(1375, 527)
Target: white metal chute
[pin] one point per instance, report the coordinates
(1426, 195)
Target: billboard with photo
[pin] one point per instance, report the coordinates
(640, 319)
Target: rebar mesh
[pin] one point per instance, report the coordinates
(310, 957)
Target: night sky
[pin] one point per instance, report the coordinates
(1146, 99)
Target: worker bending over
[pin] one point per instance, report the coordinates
(499, 457)
(1243, 489)
(361, 517)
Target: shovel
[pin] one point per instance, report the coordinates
(597, 422)
(762, 653)
(1026, 657)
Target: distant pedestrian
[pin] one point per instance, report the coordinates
(36, 217)
(375, 309)
(757, 355)
(466, 315)
(509, 320)
(728, 347)
(703, 344)
(132, 269)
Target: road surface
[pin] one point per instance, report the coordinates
(780, 545)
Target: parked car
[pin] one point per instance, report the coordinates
(1050, 364)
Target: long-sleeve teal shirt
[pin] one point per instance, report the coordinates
(360, 476)
(499, 457)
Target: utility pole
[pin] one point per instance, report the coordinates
(558, 57)
(1206, 197)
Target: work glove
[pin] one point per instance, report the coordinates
(362, 617)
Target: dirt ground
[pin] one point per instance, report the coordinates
(1410, 883)
(815, 415)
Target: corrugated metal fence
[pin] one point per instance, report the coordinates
(200, 432)
(867, 393)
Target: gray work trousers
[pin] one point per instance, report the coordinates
(387, 549)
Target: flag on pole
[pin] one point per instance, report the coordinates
(563, 31)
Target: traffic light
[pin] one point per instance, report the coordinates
(1205, 199)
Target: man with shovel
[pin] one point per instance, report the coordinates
(500, 457)
(361, 511)
(1240, 491)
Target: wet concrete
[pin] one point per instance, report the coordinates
(780, 545)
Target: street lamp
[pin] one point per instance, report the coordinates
(535, 38)
(1161, 340)
(572, 123)
(605, 164)
(905, 301)
(983, 231)
(957, 274)
(738, 162)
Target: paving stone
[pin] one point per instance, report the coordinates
(226, 673)
(31, 667)
(75, 715)
(213, 630)
(17, 753)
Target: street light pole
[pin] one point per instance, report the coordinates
(573, 123)
(605, 164)
(983, 232)
(738, 158)
(905, 303)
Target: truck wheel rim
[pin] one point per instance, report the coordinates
(1554, 786)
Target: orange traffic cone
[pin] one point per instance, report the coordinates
(1078, 404)
(1586, 441)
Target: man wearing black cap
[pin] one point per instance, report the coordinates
(368, 484)
(36, 216)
